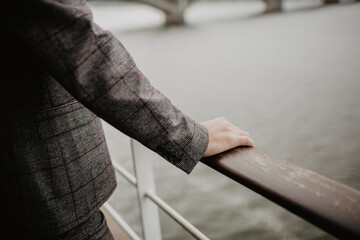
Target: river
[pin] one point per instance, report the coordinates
(291, 79)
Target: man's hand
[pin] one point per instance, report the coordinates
(223, 136)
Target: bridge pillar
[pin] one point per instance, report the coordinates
(330, 1)
(176, 15)
(273, 6)
(174, 18)
(173, 9)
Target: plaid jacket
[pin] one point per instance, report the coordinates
(64, 72)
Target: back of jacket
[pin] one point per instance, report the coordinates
(55, 165)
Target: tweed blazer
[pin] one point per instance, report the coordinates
(64, 73)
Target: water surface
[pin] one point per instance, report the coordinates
(291, 79)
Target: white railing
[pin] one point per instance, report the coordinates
(149, 201)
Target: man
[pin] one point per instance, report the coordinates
(63, 73)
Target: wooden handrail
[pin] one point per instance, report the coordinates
(329, 205)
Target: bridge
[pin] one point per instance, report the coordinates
(174, 9)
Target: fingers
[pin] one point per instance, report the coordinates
(246, 141)
(223, 135)
(240, 139)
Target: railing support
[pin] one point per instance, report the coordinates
(122, 223)
(176, 216)
(145, 182)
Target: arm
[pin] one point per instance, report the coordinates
(96, 69)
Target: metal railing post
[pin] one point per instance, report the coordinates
(145, 181)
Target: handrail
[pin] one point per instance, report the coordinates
(329, 205)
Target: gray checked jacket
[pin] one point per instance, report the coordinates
(61, 74)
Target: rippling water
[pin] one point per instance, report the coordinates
(291, 79)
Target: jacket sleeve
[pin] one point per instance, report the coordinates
(96, 69)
